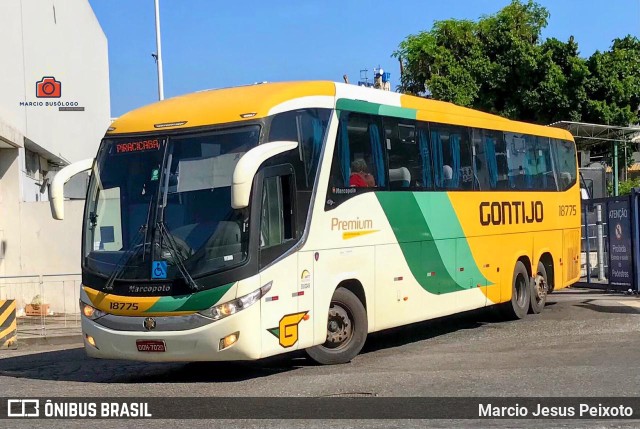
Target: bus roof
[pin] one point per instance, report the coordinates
(243, 103)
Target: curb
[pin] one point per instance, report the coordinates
(54, 340)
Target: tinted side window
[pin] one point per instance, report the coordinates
(405, 146)
(545, 176)
(565, 162)
(358, 160)
(485, 175)
(529, 161)
(308, 128)
(451, 155)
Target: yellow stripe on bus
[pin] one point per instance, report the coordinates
(352, 234)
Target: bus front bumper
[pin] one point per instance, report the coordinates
(199, 344)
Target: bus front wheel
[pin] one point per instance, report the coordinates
(518, 307)
(346, 330)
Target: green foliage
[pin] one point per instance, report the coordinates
(499, 64)
(624, 187)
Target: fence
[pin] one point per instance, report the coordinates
(595, 241)
(46, 305)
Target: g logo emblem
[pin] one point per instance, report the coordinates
(149, 323)
(287, 330)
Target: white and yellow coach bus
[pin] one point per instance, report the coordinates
(246, 222)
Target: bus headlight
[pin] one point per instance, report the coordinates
(232, 307)
(91, 312)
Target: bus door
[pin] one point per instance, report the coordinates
(278, 262)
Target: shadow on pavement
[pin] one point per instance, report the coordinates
(421, 331)
(74, 365)
(612, 309)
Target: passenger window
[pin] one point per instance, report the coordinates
(497, 159)
(529, 161)
(358, 159)
(307, 127)
(405, 157)
(519, 159)
(272, 222)
(276, 226)
(485, 175)
(545, 176)
(565, 161)
(451, 154)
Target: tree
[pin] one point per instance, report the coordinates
(499, 64)
(614, 84)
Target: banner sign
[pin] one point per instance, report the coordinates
(482, 408)
(620, 244)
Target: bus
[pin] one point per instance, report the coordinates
(241, 223)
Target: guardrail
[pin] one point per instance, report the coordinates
(46, 304)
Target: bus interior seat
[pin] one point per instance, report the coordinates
(399, 177)
(226, 240)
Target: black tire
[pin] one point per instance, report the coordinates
(539, 290)
(347, 328)
(518, 307)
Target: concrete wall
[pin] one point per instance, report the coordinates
(63, 39)
(10, 196)
(32, 242)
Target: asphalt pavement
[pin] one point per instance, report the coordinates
(585, 343)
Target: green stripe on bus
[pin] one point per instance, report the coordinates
(357, 106)
(398, 112)
(375, 109)
(194, 302)
(444, 223)
(420, 222)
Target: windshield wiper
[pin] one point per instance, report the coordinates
(177, 257)
(132, 252)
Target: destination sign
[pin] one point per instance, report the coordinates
(138, 146)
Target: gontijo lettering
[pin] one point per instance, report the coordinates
(510, 212)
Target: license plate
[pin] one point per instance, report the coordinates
(151, 346)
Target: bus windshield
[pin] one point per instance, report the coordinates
(166, 200)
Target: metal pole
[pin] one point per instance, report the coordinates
(625, 163)
(586, 235)
(615, 168)
(159, 53)
(600, 233)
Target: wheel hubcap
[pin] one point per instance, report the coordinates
(540, 288)
(339, 327)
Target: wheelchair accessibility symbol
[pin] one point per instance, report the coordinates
(159, 270)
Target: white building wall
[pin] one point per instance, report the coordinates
(63, 39)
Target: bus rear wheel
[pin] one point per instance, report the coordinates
(539, 290)
(346, 330)
(518, 307)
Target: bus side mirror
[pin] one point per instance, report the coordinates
(248, 165)
(56, 192)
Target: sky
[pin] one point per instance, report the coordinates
(214, 44)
